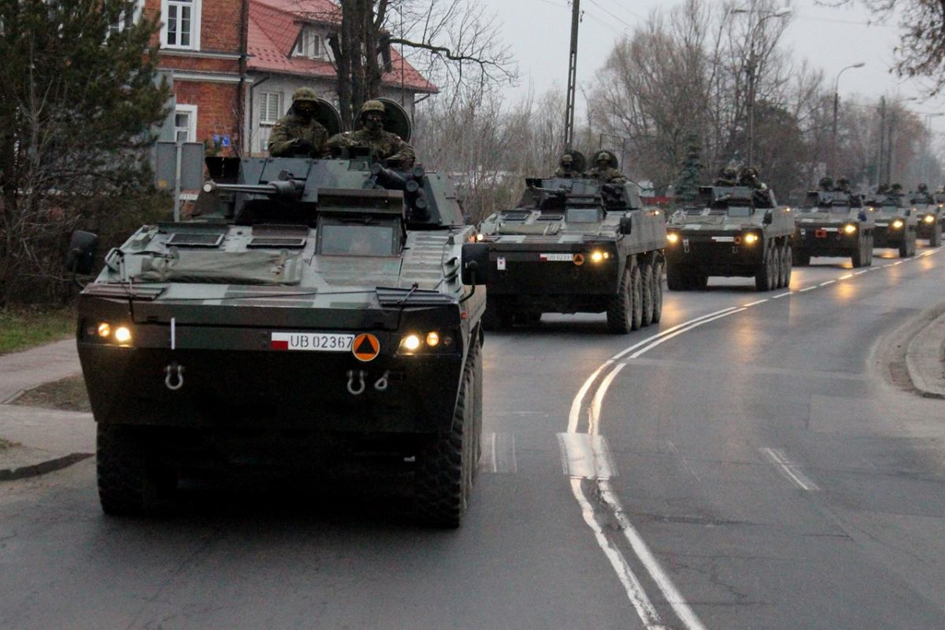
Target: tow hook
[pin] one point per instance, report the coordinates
(174, 378)
(356, 390)
(383, 382)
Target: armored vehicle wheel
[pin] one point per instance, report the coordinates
(674, 279)
(778, 266)
(786, 257)
(620, 308)
(128, 482)
(657, 292)
(646, 292)
(764, 276)
(869, 250)
(636, 287)
(446, 464)
(936, 239)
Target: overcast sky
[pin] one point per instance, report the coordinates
(539, 32)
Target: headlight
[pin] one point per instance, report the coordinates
(122, 334)
(930, 218)
(672, 238)
(410, 343)
(897, 224)
(750, 239)
(104, 330)
(480, 237)
(431, 341)
(597, 257)
(849, 229)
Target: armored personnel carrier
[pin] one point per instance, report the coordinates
(896, 224)
(576, 246)
(320, 313)
(930, 218)
(730, 231)
(833, 223)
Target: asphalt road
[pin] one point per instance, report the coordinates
(740, 467)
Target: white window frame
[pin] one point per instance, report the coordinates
(191, 110)
(196, 11)
(264, 102)
(304, 47)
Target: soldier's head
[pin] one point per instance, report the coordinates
(305, 102)
(603, 159)
(897, 188)
(728, 173)
(372, 115)
(826, 183)
(843, 184)
(923, 188)
(749, 172)
(567, 161)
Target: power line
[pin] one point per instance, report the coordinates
(611, 14)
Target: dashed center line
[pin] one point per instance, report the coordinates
(807, 289)
(783, 295)
(756, 303)
(828, 283)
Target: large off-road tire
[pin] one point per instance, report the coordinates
(446, 463)
(775, 266)
(787, 266)
(936, 238)
(646, 294)
(869, 250)
(764, 275)
(675, 280)
(636, 302)
(129, 480)
(657, 292)
(620, 307)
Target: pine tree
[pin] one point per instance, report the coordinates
(78, 102)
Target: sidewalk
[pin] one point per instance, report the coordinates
(925, 359)
(45, 439)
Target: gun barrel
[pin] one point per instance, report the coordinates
(290, 188)
(388, 178)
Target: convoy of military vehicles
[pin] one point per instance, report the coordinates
(319, 311)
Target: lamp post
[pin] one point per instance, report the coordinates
(780, 13)
(836, 112)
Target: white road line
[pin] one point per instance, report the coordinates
(666, 332)
(661, 340)
(860, 273)
(790, 472)
(639, 546)
(755, 303)
(807, 289)
(642, 604)
(828, 283)
(846, 277)
(898, 263)
(778, 297)
(585, 456)
(598, 400)
(574, 416)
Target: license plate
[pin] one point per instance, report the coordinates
(882, 225)
(556, 257)
(311, 342)
(723, 239)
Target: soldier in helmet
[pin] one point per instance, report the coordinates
(727, 177)
(372, 135)
(896, 189)
(605, 171)
(749, 177)
(566, 167)
(826, 184)
(298, 133)
(843, 185)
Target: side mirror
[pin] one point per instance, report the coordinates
(475, 263)
(82, 249)
(626, 225)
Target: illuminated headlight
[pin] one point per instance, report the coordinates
(416, 343)
(849, 229)
(104, 330)
(897, 224)
(597, 257)
(673, 238)
(930, 218)
(480, 237)
(433, 339)
(122, 334)
(410, 343)
(750, 239)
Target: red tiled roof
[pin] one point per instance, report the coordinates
(274, 27)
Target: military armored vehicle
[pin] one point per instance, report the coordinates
(576, 246)
(833, 223)
(896, 224)
(730, 231)
(318, 314)
(930, 218)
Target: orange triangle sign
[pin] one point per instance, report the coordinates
(366, 347)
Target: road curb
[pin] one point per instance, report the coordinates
(924, 359)
(42, 468)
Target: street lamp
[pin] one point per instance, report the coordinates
(836, 110)
(780, 13)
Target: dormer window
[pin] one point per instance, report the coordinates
(309, 44)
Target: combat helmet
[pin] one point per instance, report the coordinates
(567, 159)
(372, 106)
(304, 94)
(826, 183)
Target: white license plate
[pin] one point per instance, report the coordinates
(723, 239)
(311, 342)
(556, 257)
(882, 225)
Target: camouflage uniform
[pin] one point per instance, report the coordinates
(749, 177)
(384, 144)
(566, 168)
(728, 176)
(843, 185)
(294, 132)
(605, 171)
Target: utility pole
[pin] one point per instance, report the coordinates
(882, 140)
(572, 75)
(832, 168)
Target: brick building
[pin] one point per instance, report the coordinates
(233, 65)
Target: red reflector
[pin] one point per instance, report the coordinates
(279, 345)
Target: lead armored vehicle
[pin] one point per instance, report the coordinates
(576, 246)
(930, 218)
(318, 315)
(730, 231)
(896, 224)
(834, 223)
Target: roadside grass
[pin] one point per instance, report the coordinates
(21, 329)
(67, 394)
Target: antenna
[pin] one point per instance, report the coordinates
(572, 75)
